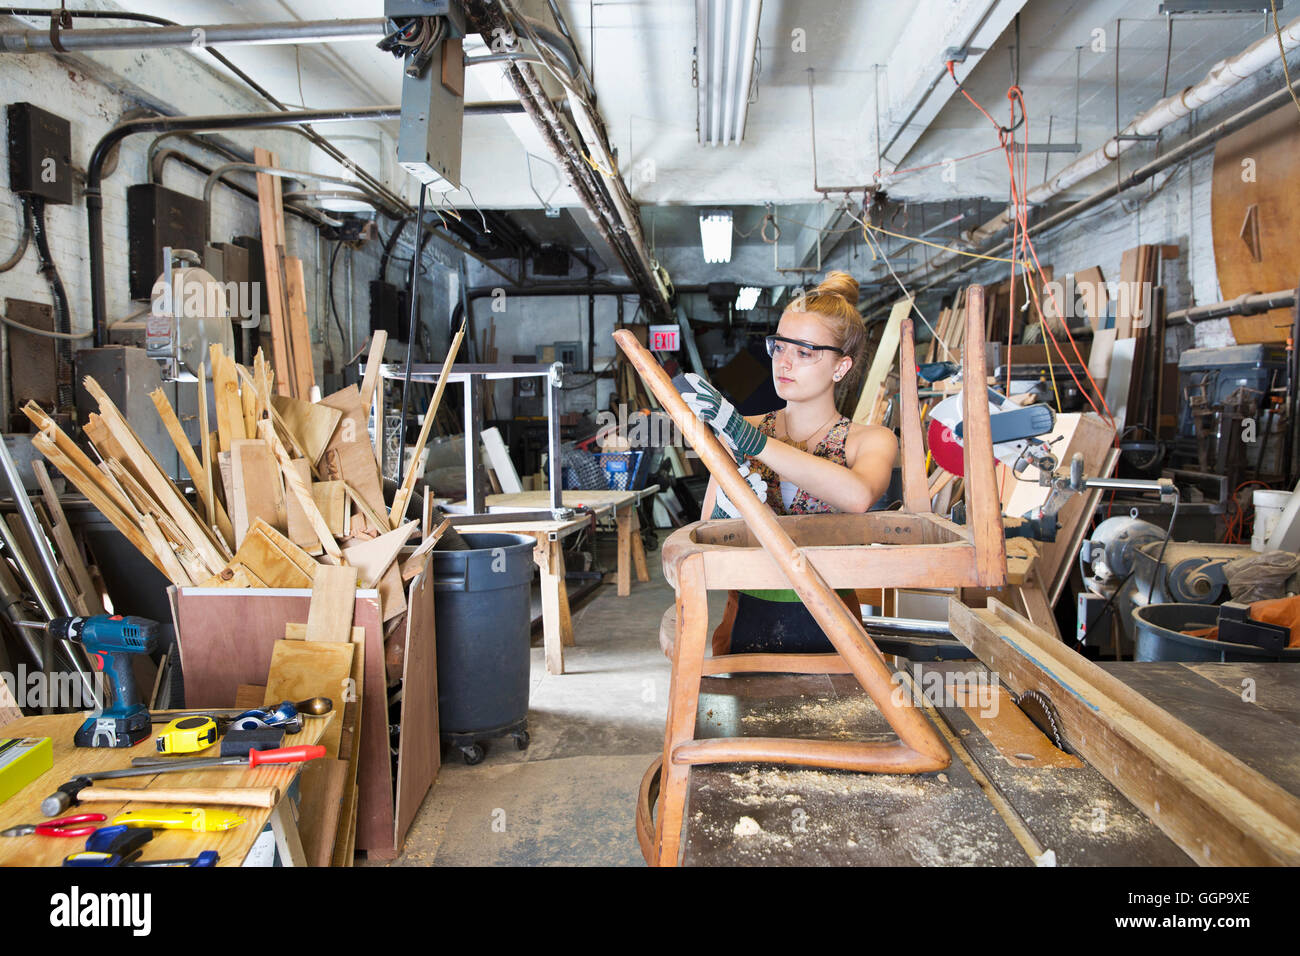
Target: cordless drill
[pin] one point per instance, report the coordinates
(110, 639)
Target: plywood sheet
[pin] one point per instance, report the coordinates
(349, 455)
(418, 756)
(311, 424)
(302, 669)
(1258, 165)
(257, 486)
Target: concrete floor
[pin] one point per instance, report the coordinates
(570, 798)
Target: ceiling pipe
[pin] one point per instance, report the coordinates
(619, 226)
(576, 170)
(1242, 305)
(1222, 77)
(189, 124)
(212, 34)
(1140, 175)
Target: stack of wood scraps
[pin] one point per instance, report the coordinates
(281, 485)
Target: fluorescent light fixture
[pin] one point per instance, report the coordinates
(747, 298)
(726, 39)
(715, 235)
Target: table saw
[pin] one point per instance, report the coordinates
(990, 807)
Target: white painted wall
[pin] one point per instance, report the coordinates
(94, 99)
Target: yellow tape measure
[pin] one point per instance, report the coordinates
(187, 734)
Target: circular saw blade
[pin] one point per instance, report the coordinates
(1035, 705)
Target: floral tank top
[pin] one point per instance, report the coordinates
(831, 447)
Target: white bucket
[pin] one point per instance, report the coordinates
(1269, 506)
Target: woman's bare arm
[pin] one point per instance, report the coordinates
(871, 451)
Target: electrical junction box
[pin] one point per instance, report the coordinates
(432, 125)
(40, 154)
(158, 217)
(450, 9)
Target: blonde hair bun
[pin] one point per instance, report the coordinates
(841, 283)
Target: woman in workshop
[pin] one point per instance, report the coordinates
(805, 458)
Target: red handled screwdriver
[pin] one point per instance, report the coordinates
(255, 758)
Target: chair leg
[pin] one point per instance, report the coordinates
(683, 705)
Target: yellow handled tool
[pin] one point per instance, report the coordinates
(196, 819)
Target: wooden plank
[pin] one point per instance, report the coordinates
(549, 558)
(374, 359)
(198, 474)
(332, 499)
(372, 558)
(174, 571)
(72, 453)
(916, 497)
(1091, 286)
(322, 785)
(1267, 149)
(499, 456)
(270, 209)
(1216, 808)
(398, 513)
(882, 362)
(267, 558)
(67, 544)
(310, 425)
(225, 394)
(301, 669)
(299, 330)
(984, 510)
(414, 562)
(418, 753)
(353, 723)
(299, 525)
(144, 466)
(259, 490)
(333, 596)
(392, 592)
(350, 457)
(300, 487)
(93, 491)
(286, 547)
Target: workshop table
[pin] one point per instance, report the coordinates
(548, 553)
(768, 814)
(71, 761)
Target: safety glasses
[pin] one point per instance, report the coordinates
(800, 353)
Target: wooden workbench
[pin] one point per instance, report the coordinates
(756, 814)
(70, 761)
(548, 554)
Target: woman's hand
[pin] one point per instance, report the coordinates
(756, 482)
(714, 410)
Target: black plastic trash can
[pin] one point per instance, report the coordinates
(483, 617)
(1160, 637)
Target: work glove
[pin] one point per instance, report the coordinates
(723, 506)
(719, 414)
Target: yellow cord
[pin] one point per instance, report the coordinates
(597, 167)
(1024, 263)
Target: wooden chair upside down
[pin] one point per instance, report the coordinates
(815, 554)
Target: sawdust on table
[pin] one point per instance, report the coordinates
(837, 717)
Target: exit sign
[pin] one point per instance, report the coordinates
(665, 338)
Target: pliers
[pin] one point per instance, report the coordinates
(62, 827)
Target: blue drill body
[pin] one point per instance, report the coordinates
(112, 639)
